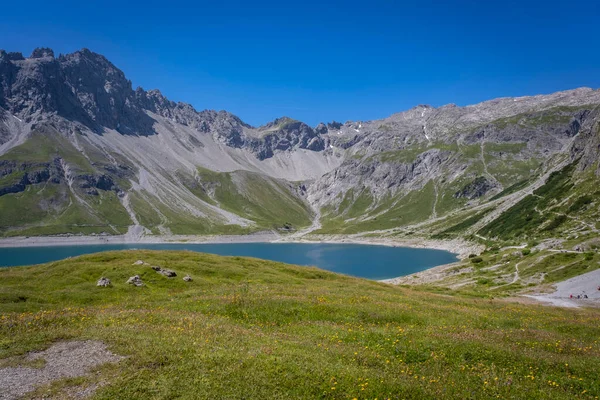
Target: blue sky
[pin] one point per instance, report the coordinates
(324, 60)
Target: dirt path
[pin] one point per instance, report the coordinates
(62, 360)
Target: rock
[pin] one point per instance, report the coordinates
(42, 52)
(321, 129)
(135, 280)
(138, 262)
(479, 187)
(187, 278)
(166, 272)
(103, 282)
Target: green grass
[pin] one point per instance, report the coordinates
(511, 189)
(246, 328)
(531, 212)
(50, 209)
(267, 201)
(415, 206)
(463, 225)
(43, 146)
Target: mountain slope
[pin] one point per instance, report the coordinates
(81, 151)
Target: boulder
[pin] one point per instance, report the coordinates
(138, 262)
(166, 272)
(103, 282)
(135, 280)
(187, 278)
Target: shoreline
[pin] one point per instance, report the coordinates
(460, 248)
(457, 247)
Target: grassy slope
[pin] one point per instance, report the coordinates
(51, 208)
(565, 204)
(267, 201)
(492, 273)
(246, 328)
(502, 160)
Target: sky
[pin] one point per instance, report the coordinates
(324, 60)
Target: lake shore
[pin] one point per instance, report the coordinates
(460, 248)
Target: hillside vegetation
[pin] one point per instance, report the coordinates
(247, 328)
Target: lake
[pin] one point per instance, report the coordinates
(366, 261)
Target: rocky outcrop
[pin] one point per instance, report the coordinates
(285, 134)
(42, 52)
(24, 174)
(478, 188)
(102, 182)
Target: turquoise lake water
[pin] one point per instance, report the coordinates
(372, 262)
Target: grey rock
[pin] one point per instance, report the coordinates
(135, 280)
(478, 188)
(187, 278)
(321, 129)
(42, 52)
(166, 272)
(103, 282)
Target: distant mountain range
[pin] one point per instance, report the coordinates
(81, 151)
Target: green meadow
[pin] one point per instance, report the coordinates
(248, 328)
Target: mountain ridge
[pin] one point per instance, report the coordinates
(116, 159)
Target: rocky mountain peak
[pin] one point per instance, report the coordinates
(42, 52)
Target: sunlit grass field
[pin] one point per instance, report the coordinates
(248, 328)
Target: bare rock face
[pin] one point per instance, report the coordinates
(103, 282)
(479, 187)
(285, 134)
(135, 281)
(42, 52)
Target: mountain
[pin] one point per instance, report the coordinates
(83, 152)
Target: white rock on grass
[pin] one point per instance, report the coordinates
(103, 282)
(135, 280)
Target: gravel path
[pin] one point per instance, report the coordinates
(63, 360)
(583, 284)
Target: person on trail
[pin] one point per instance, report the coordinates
(585, 296)
(571, 296)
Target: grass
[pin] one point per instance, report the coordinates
(247, 328)
(267, 201)
(415, 206)
(50, 209)
(43, 146)
(463, 225)
(531, 212)
(511, 189)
